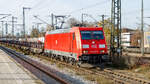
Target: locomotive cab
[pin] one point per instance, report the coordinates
(94, 49)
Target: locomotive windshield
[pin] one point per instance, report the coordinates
(87, 35)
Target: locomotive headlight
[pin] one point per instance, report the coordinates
(102, 51)
(85, 52)
(85, 46)
(101, 45)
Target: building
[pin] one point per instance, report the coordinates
(126, 39)
(130, 37)
(147, 39)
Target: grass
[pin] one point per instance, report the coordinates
(143, 69)
(98, 79)
(60, 66)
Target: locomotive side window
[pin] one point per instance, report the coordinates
(87, 35)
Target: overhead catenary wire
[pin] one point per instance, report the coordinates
(6, 15)
(38, 4)
(133, 12)
(90, 6)
(41, 20)
(41, 3)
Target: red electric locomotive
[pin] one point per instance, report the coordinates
(80, 44)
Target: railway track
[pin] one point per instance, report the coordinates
(136, 50)
(120, 78)
(117, 77)
(46, 73)
(130, 79)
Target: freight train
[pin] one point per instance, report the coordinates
(75, 45)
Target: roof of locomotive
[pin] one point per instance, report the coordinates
(59, 31)
(67, 30)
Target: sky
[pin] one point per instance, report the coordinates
(43, 8)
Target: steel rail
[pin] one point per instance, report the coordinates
(117, 77)
(120, 78)
(37, 65)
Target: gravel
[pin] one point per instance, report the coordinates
(64, 72)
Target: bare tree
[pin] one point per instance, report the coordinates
(73, 22)
(42, 32)
(35, 32)
(49, 28)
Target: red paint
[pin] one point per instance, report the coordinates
(64, 42)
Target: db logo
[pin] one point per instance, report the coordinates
(94, 46)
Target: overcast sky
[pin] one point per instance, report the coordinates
(43, 8)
